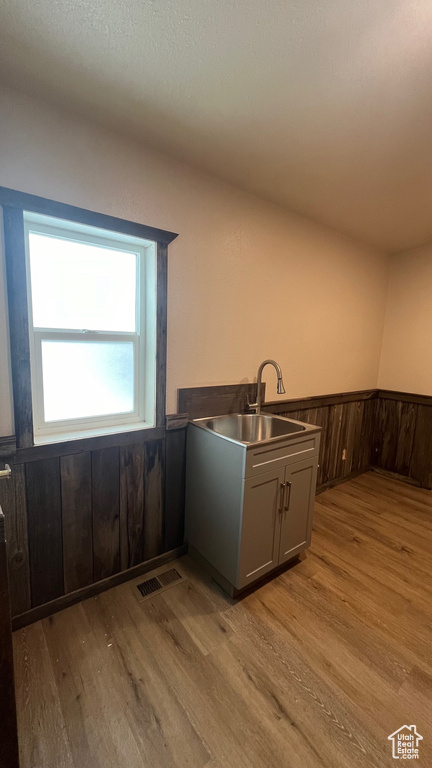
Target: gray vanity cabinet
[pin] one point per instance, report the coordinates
(277, 518)
(249, 508)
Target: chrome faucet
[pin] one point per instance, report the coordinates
(280, 387)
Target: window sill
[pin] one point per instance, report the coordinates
(62, 447)
(64, 437)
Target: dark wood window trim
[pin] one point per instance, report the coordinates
(14, 203)
(25, 202)
(13, 228)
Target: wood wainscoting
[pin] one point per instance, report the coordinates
(9, 757)
(83, 516)
(380, 429)
(79, 519)
(403, 436)
(347, 421)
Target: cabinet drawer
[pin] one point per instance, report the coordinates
(263, 459)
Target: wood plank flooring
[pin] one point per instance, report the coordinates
(316, 668)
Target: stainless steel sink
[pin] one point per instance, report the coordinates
(251, 427)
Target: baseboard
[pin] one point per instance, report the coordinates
(340, 480)
(47, 609)
(357, 473)
(396, 476)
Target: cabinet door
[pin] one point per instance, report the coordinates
(260, 526)
(297, 514)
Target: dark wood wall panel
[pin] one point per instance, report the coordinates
(334, 442)
(44, 530)
(421, 456)
(199, 402)
(132, 470)
(76, 485)
(385, 441)
(14, 504)
(106, 512)
(320, 401)
(9, 756)
(341, 417)
(320, 417)
(407, 425)
(346, 432)
(402, 440)
(78, 518)
(154, 501)
(346, 419)
(367, 427)
(356, 436)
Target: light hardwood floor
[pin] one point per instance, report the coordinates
(316, 668)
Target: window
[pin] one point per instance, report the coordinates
(91, 311)
(96, 318)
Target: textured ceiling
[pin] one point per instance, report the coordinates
(324, 107)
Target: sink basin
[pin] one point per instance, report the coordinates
(251, 427)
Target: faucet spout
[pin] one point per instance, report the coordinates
(280, 385)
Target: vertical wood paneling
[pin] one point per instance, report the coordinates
(357, 436)
(402, 440)
(106, 512)
(320, 417)
(13, 502)
(153, 499)
(9, 757)
(346, 426)
(137, 492)
(200, 402)
(175, 470)
(386, 433)
(421, 457)
(44, 529)
(334, 435)
(408, 420)
(89, 516)
(350, 437)
(132, 469)
(342, 447)
(292, 415)
(75, 472)
(367, 428)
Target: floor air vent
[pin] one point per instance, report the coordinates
(156, 583)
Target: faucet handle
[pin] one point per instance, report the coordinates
(248, 406)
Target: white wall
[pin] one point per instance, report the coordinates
(247, 280)
(406, 359)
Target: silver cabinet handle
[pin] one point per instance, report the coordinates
(5, 473)
(282, 489)
(288, 495)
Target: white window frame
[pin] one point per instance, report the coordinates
(143, 339)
